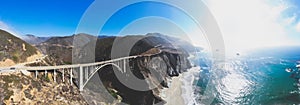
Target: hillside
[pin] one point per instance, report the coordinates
(19, 89)
(34, 40)
(14, 49)
(59, 48)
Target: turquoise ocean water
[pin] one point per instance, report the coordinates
(255, 78)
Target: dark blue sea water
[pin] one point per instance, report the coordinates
(256, 77)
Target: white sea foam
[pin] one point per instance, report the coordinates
(188, 79)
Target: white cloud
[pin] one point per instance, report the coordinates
(247, 24)
(297, 27)
(9, 29)
(290, 20)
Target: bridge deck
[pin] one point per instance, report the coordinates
(42, 68)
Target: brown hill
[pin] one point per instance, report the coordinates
(15, 49)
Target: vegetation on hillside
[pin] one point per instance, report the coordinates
(12, 47)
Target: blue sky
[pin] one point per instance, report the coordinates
(61, 17)
(43, 17)
(265, 22)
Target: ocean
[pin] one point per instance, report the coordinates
(257, 77)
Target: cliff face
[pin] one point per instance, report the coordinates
(158, 69)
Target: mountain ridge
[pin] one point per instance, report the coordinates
(33, 40)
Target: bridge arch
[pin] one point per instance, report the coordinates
(99, 68)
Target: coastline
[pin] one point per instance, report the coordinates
(180, 91)
(173, 94)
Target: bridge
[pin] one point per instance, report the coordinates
(86, 71)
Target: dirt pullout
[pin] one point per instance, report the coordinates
(7, 63)
(10, 62)
(34, 57)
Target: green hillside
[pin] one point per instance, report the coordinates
(12, 47)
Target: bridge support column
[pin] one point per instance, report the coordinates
(45, 73)
(54, 75)
(71, 76)
(80, 78)
(124, 65)
(36, 74)
(86, 75)
(63, 75)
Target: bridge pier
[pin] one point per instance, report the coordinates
(63, 75)
(86, 73)
(54, 74)
(71, 76)
(45, 73)
(124, 65)
(36, 74)
(80, 78)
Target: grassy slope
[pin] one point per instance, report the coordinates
(11, 47)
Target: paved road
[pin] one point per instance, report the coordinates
(21, 65)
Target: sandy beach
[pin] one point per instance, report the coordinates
(180, 91)
(173, 94)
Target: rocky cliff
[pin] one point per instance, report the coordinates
(158, 69)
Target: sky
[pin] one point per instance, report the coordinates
(244, 24)
(42, 17)
(257, 23)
